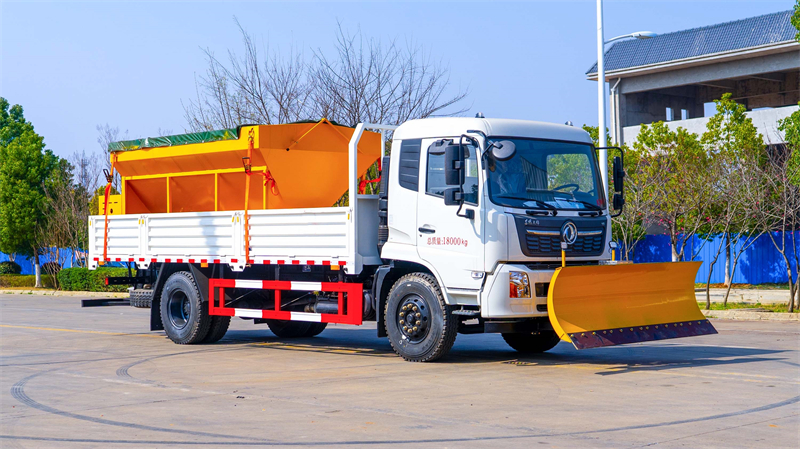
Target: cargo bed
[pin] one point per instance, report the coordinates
(316, 236)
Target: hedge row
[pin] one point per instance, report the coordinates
(81, 279)
(24, 280)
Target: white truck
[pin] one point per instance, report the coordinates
(481, 225)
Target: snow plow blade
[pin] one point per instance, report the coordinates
(606, 305)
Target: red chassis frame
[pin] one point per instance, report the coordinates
(353, 301)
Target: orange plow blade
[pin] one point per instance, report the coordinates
(606, 305)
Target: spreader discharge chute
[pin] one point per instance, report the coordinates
(605, 305)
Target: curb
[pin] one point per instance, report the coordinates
(742, 314)
(66, 294)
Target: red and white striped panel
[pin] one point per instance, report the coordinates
(212, 259)
(294, 316)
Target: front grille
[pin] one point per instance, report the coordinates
(551, 245)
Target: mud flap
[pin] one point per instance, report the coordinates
(606, 305)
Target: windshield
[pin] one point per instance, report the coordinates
(545, 175)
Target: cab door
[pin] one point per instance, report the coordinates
(452, 244)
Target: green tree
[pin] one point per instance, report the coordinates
(738, 148)
(676, 174)
(24, 165)
(796, 19)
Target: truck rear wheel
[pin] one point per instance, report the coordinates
(315, 329)
(218, 328)
(185, 319)
(532, 343)
(420, 326)
(141, 298)
(289, 329)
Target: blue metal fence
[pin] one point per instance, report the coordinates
(759, 264)
(27, 263)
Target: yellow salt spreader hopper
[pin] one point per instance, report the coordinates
(606, 305)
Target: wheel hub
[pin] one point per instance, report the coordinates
(180, 309)
(413, 318)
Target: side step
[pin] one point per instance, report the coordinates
(105, 302)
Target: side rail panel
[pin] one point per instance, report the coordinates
(317, 236)
(350, 307)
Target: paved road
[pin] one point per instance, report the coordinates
(75, 377)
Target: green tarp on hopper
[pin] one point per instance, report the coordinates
(180, 139)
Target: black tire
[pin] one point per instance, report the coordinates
(141, 299)
(434, 329)
(532, 343)
(315, 329)
(289, 329)
(183, 312)
(218, 328)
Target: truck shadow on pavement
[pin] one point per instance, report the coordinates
(655, 356)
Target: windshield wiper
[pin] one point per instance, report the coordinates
(542, 205)
(588, 205)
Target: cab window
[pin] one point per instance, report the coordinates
(435, 184)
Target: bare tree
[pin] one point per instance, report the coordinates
(780, 212)
(105, 135)
(249, 89)
(368, 82)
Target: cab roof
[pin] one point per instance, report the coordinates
(455, 126)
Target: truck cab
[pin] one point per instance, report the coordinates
(496, 250)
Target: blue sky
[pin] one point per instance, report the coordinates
(73, 66)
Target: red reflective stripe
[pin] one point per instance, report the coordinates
(191, 260)
(130, 259)
(265, 262)
(281, 262)
(234, 260)
(203, 260)
(153, 260)
(118, 259)
(326, 262)
(295, 262)
(97, 259)
(342, 263)
(141, 259)
(216, 260)
(251, 261)
(167, 260)
(309, 262)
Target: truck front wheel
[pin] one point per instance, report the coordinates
(185, 319)
(532, 343)
(420, 326)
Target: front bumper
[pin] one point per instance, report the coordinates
(495, 301)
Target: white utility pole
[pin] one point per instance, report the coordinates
(601, 87)
(601, 98)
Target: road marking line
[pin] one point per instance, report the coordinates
(80, 331)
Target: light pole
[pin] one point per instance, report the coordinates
(601, 88)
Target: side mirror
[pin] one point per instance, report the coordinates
(453, 196)
(618, 202)
(453, 165)
(619, 175)
(503, 150)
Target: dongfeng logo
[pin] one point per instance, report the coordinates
(569, 233)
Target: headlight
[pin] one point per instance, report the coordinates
(518, 285)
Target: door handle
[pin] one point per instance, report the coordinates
(425, 230)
